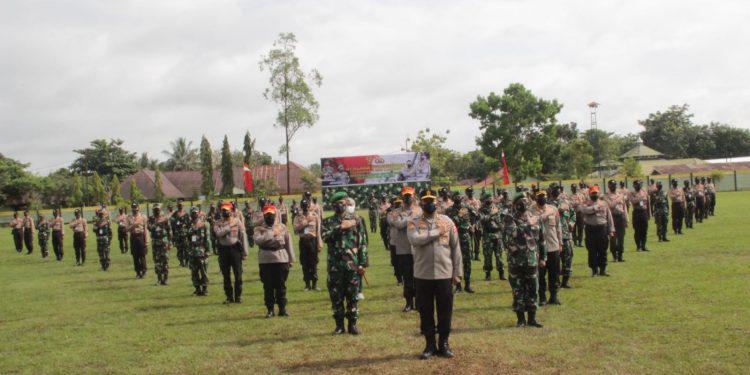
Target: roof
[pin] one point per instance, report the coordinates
(729, 160)
(146, 181)
(641, 151)
(698, 168)
(647, 166)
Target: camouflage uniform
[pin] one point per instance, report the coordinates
(197, 256)
(463, 217)
(567, 222)
(180, 223)
(490, 217)
(524, 234)
(247, 213)
(661, 214)
(211, 218)
(43, 235)
(103, 232)
(161, 237)
(690, 200)
(372, 211)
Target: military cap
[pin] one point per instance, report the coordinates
(658, 183)
(194, 210)
(674, 180)
(541, 193)
(456, 195)
(554, 185)
(518, 197)
(407, 190)
(612, 182)
(134, 205)
(337, 196)
(519, 188)
(157, 206)
(469, 189)
(304, 202)
(486, 195)
(427, 194)
(77, 211)
(269, 209)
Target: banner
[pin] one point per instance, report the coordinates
(375, 169)
(248, 178)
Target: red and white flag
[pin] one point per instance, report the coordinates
(248, 178)
(506, 178)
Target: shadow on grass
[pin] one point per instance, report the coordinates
(151, 308)
(271, 340)
(346, 363)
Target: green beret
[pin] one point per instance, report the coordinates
(518, 196)
(157, 206)
(486, 195)
(337, 196)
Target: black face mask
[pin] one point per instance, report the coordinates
(487, 203)
(429, 207)
(224, 214)
(520, 207)
(270, 219)
(339, 208)
(541, 201)
(157, 212)
(637, 187)
(407, 199)
(594, 197)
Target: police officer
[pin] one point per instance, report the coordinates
(618, 208)
(392, 234)
(679, 206)
(248, 213)
(307, 227)
(137, 224)
(58, 233)
(639, 200)
(282, 210)
(122, 230)
(79, 237)
(383, 209)
(16, 225)
(28, 232)
(399, 219)
(552, 232)
(599, 228)
(232, 252)
(275, 257)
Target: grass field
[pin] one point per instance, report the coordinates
(682, 308)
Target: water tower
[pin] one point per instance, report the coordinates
(593, 106)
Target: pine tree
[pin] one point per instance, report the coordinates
(207, 168)
(227, 172)
(135, 193)
(247, 148)
(114, 189)
(158, 192)
(77, 198)
(100, 194)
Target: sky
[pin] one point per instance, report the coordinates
(148, 71)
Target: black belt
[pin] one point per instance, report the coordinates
(267, 249)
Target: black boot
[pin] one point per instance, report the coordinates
(532, 320)
(307, 285)
(521, 322)
(502, 275)
(444, 350)
(409, 306)
(603, 271)
(315, 285)
(339, 326)
(565, 282)
(458, 288)
(553, 299)
(664, 237)
(468, 287)
(197, 291)
(164, 279)
(282, 309)
(542, 298)
(204, 290)
(270, 313)
(487, 276)
(594, 271)
(430, 347)
(352, 328)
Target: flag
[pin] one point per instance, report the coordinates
(506, 179)
(248, 178)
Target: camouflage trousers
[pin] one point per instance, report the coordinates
(689, 216)
(181, 244)
(464, 240)
(524, 280)
(567, 258)
(490, 247)
(198, 270)
(343, 285)
(373, 215)
(661, 223)
(43, 241)
(102, 247)
(161, 260)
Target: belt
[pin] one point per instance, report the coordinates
(267, 249)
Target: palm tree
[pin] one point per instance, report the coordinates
(182, 157)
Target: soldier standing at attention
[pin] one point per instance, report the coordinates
(275, 258)
(711, 192)
(248, 213)
(180, 222)
(392, 234)
(576, 201)
(161, 240)
(527, 252)
(567, 223)
(437, 266)
(345, 263)
(383, 209)
(137, 224)
(461, 215)
(122, 230)
(28, 232)
(661, 212)
(363, 239)
(58, 232)
(399, 219)
(79, 237)
(617, 206)
(103, 233)
(679, 206)
(476, 230)
(198, 252)
(638, 198)
(257, 216)
(16, 226)
(307, 227)
(444, 202)
(282, 210)
(232, 252)
(43, 234)
(372, 212)
(552, 232)
(707, 193)
(599, 228)
(690, 204)
(490, 218)
(294, 209)
(700, 200)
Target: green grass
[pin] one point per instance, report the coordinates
(681, 308)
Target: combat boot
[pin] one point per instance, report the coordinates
(487, 276)
(282, 308)
(307, 285)
(468, 288)
(594, 271)
(502, 275)
(352, 328)
(430, 347)
(197, 291)
(339, 326)
(270, 313)
(532, 320)
(521, 319)
(603, 271)
(665, 238)
(315, 286)
(553, 299)
(565, 282)
(458, 288)
(204, 291)
(409, 306)
(164, 280)
(542, 298)
(444, 350)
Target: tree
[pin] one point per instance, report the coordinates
(474, 165)
(77, 198)
(115, 193)
(135, 193)
(727, 141)
(434, 144)
(247, 148)
(182, 157)
(207, 168)
(578, 157)
(106, 158)
(520, 123)
(144, 161)
(290, 89)
(630, 168)
(667, 131)
(158, 191)
(227, 171)
(601, 142)
(100, 193)
(310, 181)
(57, 188)
(11, 171)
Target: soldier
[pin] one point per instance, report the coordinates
(162, 238)
(392, 234)
(490, 218)
(437, 266)
(122, 230)
(462, 214)
(316, 207)
(307, 227)
(43, 235)
(690, 204)
(294, 209)
(700, 200)
(363, 239)
(137, 225)
(679, 206)
(232, 252)
(345, 262)
(552, 232)
(711, 193)
(79, 237)
(103, 233)
(527, 252)
(707, 203)
(275, 258)
(383, 209)
(257, 216)
(283, 211)
(211, 218)
(372, 212)
(576, 200)
(567, 224)
(16, 226)
(180, 223)
(28, 232)
(248, 214)
(58, 233)
(618, 208)
(639, 200)
(476, 230)
(444, 202)
(197, 253)
(398, 220)
(661, 212)
(599, 227)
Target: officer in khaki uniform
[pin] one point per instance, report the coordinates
(552, 231)
(399, 219)
(79, 237)
(307, 227)
(679, 206)
(275, 258)
(437, 267)
(618, 207)
(28, 232)
(137, 225)
(599, 228)
(229, 233)
(639, 200)
(58, 233)
(122, 230)
(16, 226)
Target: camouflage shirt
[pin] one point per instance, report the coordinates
(462, 215)
(567, 217)
(161, 233)
(197, 239)
(661, 202)
(524, 233)
(491, 218)
(345, 246)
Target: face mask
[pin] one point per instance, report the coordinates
(541, 201)
(487, 203)
(429, 208)
(157, 212)
(594, 197)
(520, 207)
(350, 209)
(270, 219)
(339, 208)
(225, 214)
(407, 199)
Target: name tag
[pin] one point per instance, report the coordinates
(101, 232)
(308, 230)
(195, 238)
(641, 203)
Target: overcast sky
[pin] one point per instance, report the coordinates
(149, 71)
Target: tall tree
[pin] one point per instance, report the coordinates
(77, 198)
(182, 157)
(247, 148)
(289, 87)
(666, 131)
(100, 193)
(630, 168)
(144, 162)
(158, 191)
(440, 156)
(601, 141)
(207, 168)
(227, 171)
(115, 193)
(106, 158)
(578, 155)
(521, 124)
(135, 193)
